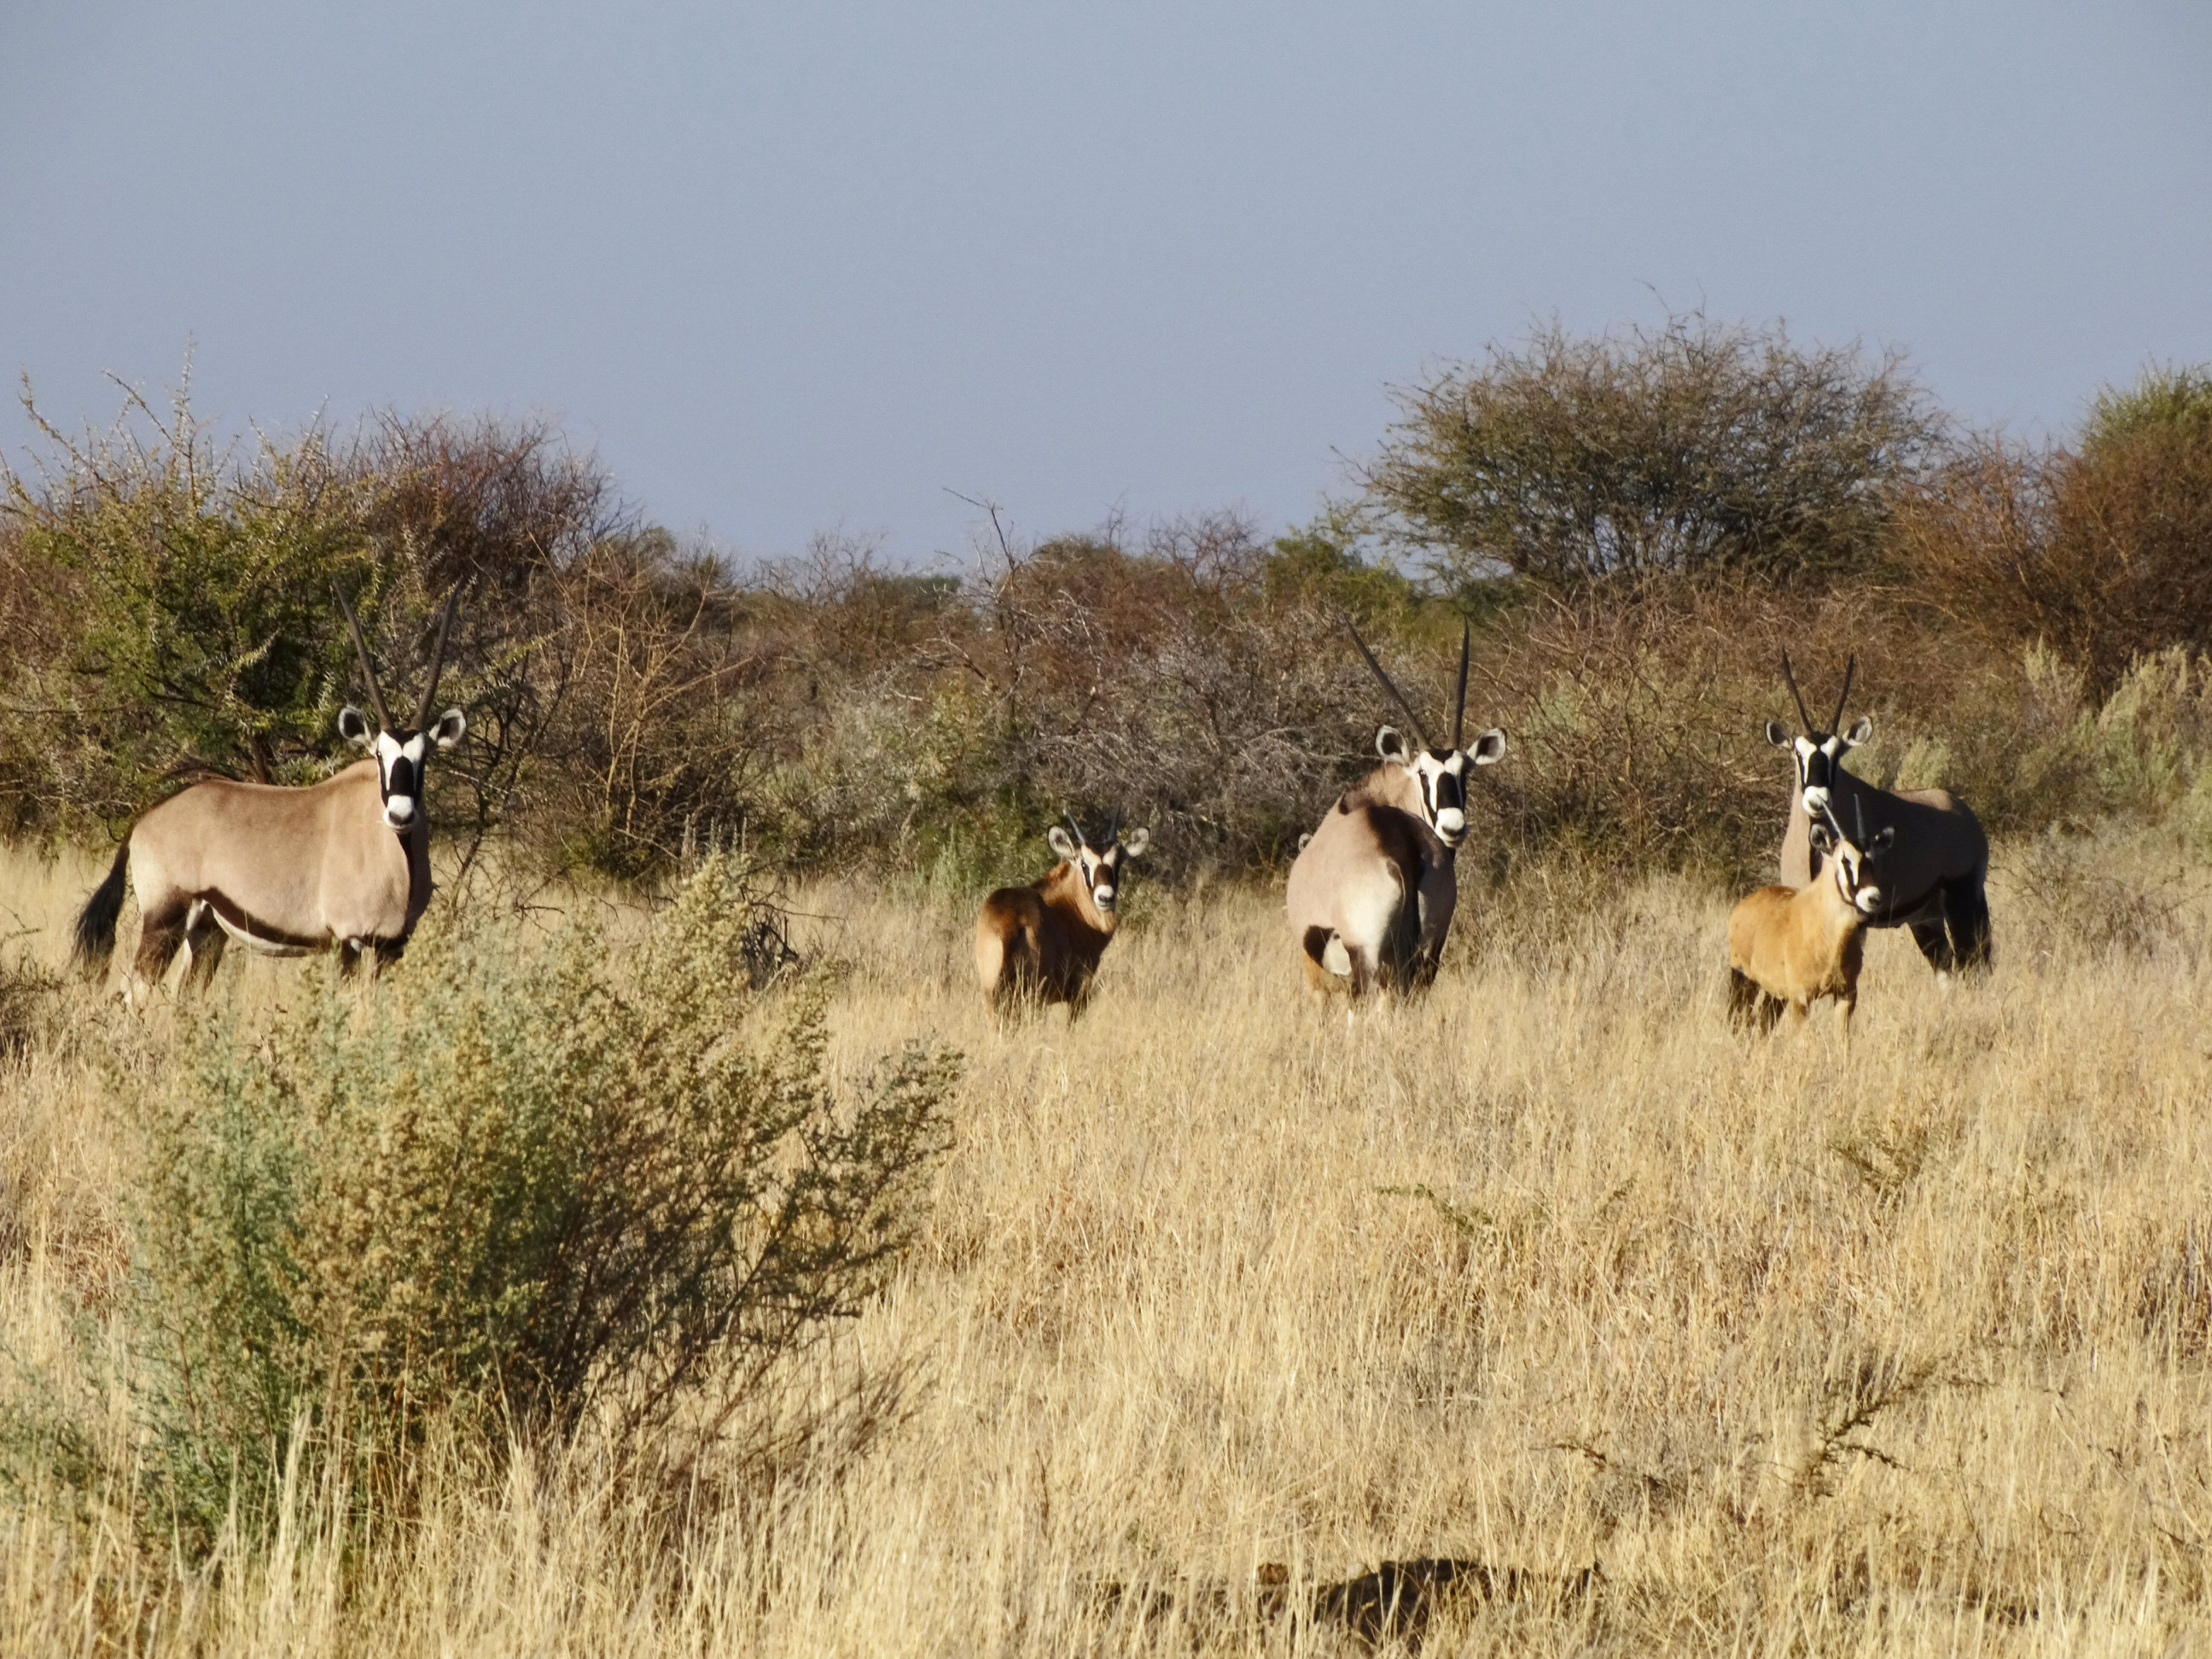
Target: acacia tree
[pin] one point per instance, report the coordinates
(1695, 448)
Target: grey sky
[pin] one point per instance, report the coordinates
(802, 268)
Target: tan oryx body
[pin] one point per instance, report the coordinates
(1042, 943)
(1372, 892)
(343, 863)
(1935, 875)
(1789, 947)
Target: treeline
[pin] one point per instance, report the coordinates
(1636, 523)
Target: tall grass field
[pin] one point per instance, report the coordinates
(1624, 1331)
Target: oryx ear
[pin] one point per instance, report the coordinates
(1135, 841)
(1489, 748)
(1777, 735)
(1823, 839)
(1862, 729)
(1390, 745)
(1059, 841)
(354, 727)
(1882, 841)
(450, 726)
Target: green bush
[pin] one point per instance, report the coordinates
(508, 1192)
(1696, 448)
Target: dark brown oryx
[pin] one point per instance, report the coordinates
(1041, 942)
(345, 862)
(1935, 879)
(1371, 895)
(1789, 947)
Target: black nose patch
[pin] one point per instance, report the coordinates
(400, 778)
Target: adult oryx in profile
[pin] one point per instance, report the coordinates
(345, 862)
(1371, 895)
(1935, 871)
(1041, 944)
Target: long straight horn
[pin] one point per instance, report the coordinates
(1078, 827)
(1412, 719)
(369, 671)
(438, 659)
(1459, 697)
(1797, 695)
(1849, 669)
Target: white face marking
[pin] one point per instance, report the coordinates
(399, 806)
(1442, 806)
(1098, 876)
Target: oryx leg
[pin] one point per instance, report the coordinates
(1934, 939)
(161, 930)
(1328, 964)
(205, 943)
(1750, 1005)
(1967, 908)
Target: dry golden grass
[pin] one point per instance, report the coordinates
(1901, 1348)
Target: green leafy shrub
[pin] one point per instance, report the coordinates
(509, 1192)
(1696, 448)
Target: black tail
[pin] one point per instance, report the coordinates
(95, 923)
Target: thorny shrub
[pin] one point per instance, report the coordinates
(510, 1193)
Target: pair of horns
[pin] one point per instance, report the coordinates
(1859, 818)
(1113, 829)
(1459, 694)
(1834, 719)
(368, 669)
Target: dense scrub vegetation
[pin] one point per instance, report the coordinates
(1637, 524)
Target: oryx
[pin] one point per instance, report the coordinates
(1789, 947)
(1371, 895)
(344, 862)
(1934, 876)
(1041, 942)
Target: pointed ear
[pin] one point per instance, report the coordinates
(1061, 843)
(450, 726)
(1489, 748)
(1776, 735)
(1883, 841)
(354, 727)
(1862, 729)
(1390, 745)
(1823, 839)
(1134, 842)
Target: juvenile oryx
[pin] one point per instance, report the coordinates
(1041, 942)
(1788, 949)
(344, 862)
(1935, 879)
(1371, 895)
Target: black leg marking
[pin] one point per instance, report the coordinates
(1967, 907)
(1934, 939)
(206, 942)
(159, 935)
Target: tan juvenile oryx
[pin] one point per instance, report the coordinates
(1934, 876)
(1789, 947)
(345, 862)
(1041, 944)
(1371, 895)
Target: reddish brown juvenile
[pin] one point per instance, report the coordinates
(1789, 947)
(1042, 943)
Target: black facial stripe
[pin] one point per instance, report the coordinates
(399, 778)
